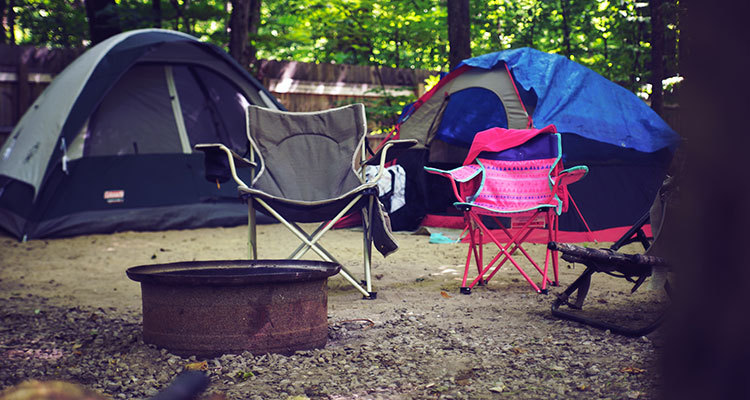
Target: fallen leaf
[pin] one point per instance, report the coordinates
(518, 350)
(197, 366)
(446, 295)
(632, 370)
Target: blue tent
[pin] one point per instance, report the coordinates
(626, 145)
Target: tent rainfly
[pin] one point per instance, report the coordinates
(108, 145)
(626, 145)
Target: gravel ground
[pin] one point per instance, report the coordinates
(419, 340)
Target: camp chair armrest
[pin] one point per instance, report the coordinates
(571, 175)
(606, 256)
(449, 176)
(394, 146)
(235, 160)
(380, 157)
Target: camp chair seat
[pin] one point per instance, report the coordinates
(635, 268)
(309, 167)
(310, 211)
(515, 174)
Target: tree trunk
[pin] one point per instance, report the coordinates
(181, 15)
(3, 35)
(104, 20)
(12, 22)
(459, 31)
(252, 30)
(238, 30)
(657, 55)
(706, 352)
(566, 28)
(156, 10)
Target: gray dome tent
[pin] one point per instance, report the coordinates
(108, 145)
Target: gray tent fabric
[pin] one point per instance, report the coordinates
(308, 165)
(88, 155)
(423, 123)
(25, 156)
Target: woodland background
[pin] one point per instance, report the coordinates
(633, 43)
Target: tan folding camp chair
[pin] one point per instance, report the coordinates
(309, 167)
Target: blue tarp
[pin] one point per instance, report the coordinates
(578, 100)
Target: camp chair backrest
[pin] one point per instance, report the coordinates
(542, 146)
(306, 156)
(519, 178)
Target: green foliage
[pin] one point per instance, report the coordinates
(608, 36)
(51, 22)
(396, 34)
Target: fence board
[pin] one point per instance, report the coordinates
(25, 71)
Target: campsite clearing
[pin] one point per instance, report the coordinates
(69, 312)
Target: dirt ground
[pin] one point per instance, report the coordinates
(421, 279)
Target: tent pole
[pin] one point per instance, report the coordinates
(177, 111)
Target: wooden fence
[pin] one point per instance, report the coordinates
(26, 71)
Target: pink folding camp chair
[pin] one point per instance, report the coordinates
(516, 174)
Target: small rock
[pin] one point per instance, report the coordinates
(633, 394)
(497, 389)
(592, 370)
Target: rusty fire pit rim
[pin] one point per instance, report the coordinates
(271, 271)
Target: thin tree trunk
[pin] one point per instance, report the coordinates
(186, 16)
(459, 31)
(532, 24)
(566, 28)
(606, 58)
(3, 34)
(657, 55)
(238, 30)
(398, 49)
(638, 36)
(156, 11)
(12, 22)
(104, 20)
(253, 24)
(181, 15)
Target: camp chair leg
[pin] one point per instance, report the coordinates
(508, 250)
(480, 258)
(476, 248)
(516, 242)
(582, 284)
(311, 243)
(367, 216)
(303, 248)
(252, 239)
(555, 254)
(550, 255)
(325, 227)
(504, 252)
